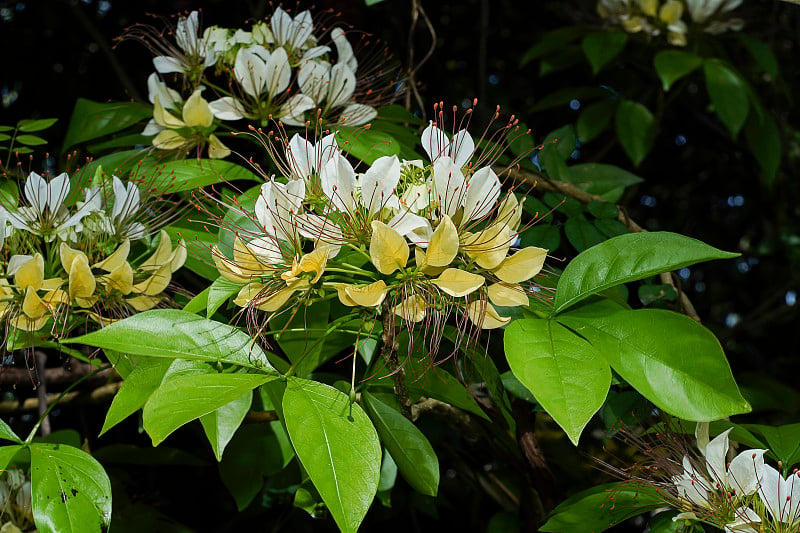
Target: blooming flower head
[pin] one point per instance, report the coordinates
(338, 225)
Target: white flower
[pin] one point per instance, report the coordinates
(436, 144)
(195, 49)
(292, 32)
(781, 496)
(277, 209)
(303, 158)
(257, 70)
(702, 10)
(376, 190)
(126, 205)
(745, 517)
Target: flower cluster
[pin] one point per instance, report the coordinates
(419, 240)
(59, 259)
(707, 483)
(16, 511)
(654, 17)
(284, 69)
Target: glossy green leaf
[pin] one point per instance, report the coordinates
(628, 258)
(569, 379)
(6, 433)
(135, 390)
(669, 358)
(198, 303)
(365, 144)
(409, 448)
(177, 334)
(188, 174)
(220, 425)
(563, 139)
(219, 292)
(606, 181)
(256, 451)
(71, 491)
(636, 129)
(387, 480)
(91, 120)
(594, 118)
(602, 47)
(30, 140)
(600, 507)
(7, 453)
(337, 445)
(761, 52)
(765, 144)
(672, 65)
(552, 163)
(728, 93)
(198, 249)
(182, 399)
(611, 227)
(32, 125)
(542, 235)
(782, 441)
(581, 233)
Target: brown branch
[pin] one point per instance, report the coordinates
(389, 354)
(416, 12)
(570, 190)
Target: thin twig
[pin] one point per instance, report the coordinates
(389, 354)
(416, 12)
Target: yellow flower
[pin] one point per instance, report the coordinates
(458, 283)
(521, 266)
(388, 250)
(671, 12)
(489, 247)
(443, 246)
(371, 295)
(196, 115)
(484, 315)
(412, 309)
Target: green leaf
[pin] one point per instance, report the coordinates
(542, 235)
(604, 210)
(593, 119)
(672, 65)
(198, 249)
(563, 139)
(761, 53)
(7, 453)
(522, 143)
(365, 144)
(387, 480)
(31, 140)
(198, 303)
(23, 150)
(569, 379)
(29, 125)
(135, 390)
(4, 137)
(177, 334)
(600, 507)
(627, 258)
(399, 114)
(601, 47)
(669, 358)
(256, 451)
(6, 433)
(552, 41)
(337, 445)
(611, 227)
(188, 174)
(636, 129)
(783, 441)
(70, 489)
(581, 233)
(220, 292)
(728, 93)
(182, 399)
(220, 425)
(91, 120)
(764, 140)
(409, 448)
(121, 141)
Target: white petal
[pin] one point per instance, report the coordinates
(278, 72)
(169, 98)
(227, 108)
(405, 223)
(250, 70)
(772, 491)
(716, 451)
(314, 78)
(15, 262)
(344, 51)
(267, 249)
(167, 64)
(57, 191)
(300, 156)
(292, 111)
(461, 148)
(186, 32)
(356, 114)
(302, 26)
(152, 128)
(745, 470)
(342, 85)
(281, 24)
(36, 191)
(313, 53)
(449, 185)
(338, 183)
(265, 203)
(379, 182)
(483, 191)
(434, 141)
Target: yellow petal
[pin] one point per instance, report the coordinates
(227, 268)
(116, 259)
(26, 324)
(247, 261)
(387, 248)
(343, 297)
(156, 283)
(121, 279)
(32, 305)
(55, 298)
(51, 284)
(161, 255)
(484, 315)
(217, 150)
(143, 302)
(178, 256)
(671, 12)
(458, 283)
(510, 211)
(315, 261)
(68, 255)
(422, 263)
(81, 280)
(272, 301)
(521, 266)
(507, 295)
(371, 295)
(163, 117)
(443, 245)
(412, 309)
(248, 293)
(168, 140)
(649, 7)
(196, 111)
(30, 274)
(488, 247)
